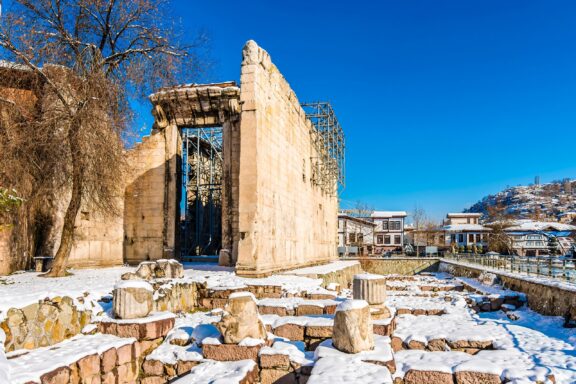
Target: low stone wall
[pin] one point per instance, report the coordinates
(545, 299)
(44, 323)
(399, 266)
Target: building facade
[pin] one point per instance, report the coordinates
(389, 231)
(355, 236)
(463, 230)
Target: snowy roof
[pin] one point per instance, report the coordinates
(464, 215)
(465, 227)
(531, 225)
(388, 214)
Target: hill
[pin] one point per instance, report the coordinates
(550, 201)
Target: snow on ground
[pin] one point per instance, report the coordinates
(526, 350)
(30, 365)
(195, 328)
(216, 372)
(447, 302)
(294, 349)
(224, 278)
(382, 351)
(345, 370)
(324, 268)
(293, 302)
(22, 289)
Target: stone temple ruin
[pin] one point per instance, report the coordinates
(259, 171)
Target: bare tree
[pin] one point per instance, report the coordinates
(419, 220)
(90, 57)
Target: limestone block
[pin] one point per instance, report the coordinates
(353, 331)
(470, 377)
(169, 268)
(132, 299)
(369, 287)
(427, 377)
(230, 352)
(241, 319)
(292, 332)
(146, 269)
(57, 376)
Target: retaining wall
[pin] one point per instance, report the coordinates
(546, 298)
(400, 266)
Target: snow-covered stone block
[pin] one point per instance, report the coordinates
(132, 299)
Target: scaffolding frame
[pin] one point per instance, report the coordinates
(328, 169)
(202, 190)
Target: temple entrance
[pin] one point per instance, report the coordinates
(201, 206)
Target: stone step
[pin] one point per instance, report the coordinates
(154, 326)
(297, 306)
(85, 358)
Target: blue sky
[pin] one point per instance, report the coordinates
(442, 102)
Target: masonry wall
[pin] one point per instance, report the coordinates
(547, 299)
(151, 197)
(285, 221)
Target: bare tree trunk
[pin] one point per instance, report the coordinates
(67, 238)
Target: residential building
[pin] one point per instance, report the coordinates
(389, 231)
(531, 238)
(355, 235)
(465, 230)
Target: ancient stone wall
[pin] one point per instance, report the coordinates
(42, 324)
(547, 299)
(404, 266)
(150, 208)
(285, 221)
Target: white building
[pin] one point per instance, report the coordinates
(389, 231)
(465, 230)
(355, 236)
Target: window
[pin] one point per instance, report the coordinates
(478, 238)
(360, 238)
(395, 225)
(452, 238)
(379, 239)
(468, 220)
(352, 237)
(470, 237)
(460, 238)
(387, 239)
(397, 239)
(385, 225)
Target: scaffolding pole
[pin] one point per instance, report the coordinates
(328, 139)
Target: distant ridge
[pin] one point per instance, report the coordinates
(550, 201)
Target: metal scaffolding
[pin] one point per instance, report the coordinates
(202, 189)
(328, 138)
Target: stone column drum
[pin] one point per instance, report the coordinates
(352, 332)
(371, 288)
(132, 299)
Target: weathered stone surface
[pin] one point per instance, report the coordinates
(153, 368)
(169, 268)
(43, 324)
(57, 376)
(132, 300)
(279, 360)
(277, 376)
(108, 360)
(353, 330)
(145, 270)
(153, 380)
(127, 373)
(307, 310)
(125, 354)
(370, 288)
(89, 366)
(240, 320)
(230, 352)
(293, 332)
(476, 378)
(319, 331)
(427, 377)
